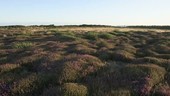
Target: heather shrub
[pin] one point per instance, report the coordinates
(76, 67)
(121, 55)
(74, 89)
(49, 63)
(157, 61)
(146, 53)
(143, 77)
(8, 67)
(25, 86)
(31, 84)
(163, 90)
(126, 47)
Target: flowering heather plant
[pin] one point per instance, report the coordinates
(163, 90)
(5, 89)
(78, 66)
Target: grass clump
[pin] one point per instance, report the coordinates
(74, 89)
(102, 43)
(22, 45)
(105, 54)
(91, 35)
(65, 36)
(82, 49)
(105, 35)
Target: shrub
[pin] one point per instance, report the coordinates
(33, 84)
(49, 63)
(143, 77)
(126, 47)
(75, 67)
(157, 61)
(74, 89)
(162, 49)
(25, 86)
(121, 55)
(163, 90)
(8, 67)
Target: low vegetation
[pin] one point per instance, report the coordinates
(49, 61)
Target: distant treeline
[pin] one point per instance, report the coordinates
(52, 25)
(150, 27)
(86, 25)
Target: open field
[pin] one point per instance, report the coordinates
(84, 61)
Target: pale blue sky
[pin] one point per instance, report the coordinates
(110, 12)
